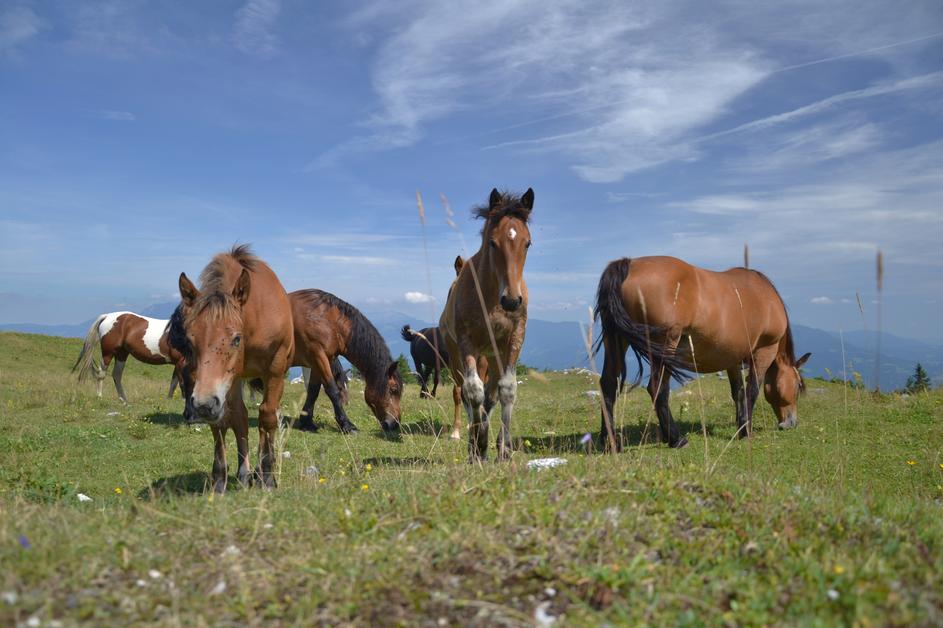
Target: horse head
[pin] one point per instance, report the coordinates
(508, 237)
(782, 386)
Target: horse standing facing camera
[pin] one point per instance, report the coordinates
(238, 325)
(485, 316)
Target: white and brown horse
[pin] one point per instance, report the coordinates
(123, 334)
(679, 317)
(237, 325)
(485, 317)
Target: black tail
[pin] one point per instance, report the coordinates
(408, 334)
(616, 324)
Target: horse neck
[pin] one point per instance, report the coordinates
(487, 275)
(370, 363)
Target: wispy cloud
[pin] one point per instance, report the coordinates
(117, 116)
(17, 25)
(253, 31)
(821, 300)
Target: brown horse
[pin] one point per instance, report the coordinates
(238, 325)
(325, 327)
(120, 334)
(485, 317)
(661, 307)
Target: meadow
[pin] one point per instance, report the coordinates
(839, 521)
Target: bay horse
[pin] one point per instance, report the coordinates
(326, 326)
(339, 374)
(238, 325)
(429, 355)
(485, 317)
(123, 334)
(661, 306)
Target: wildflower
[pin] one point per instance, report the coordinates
(587, 437)
(364, 487)
(526, 443)
(838, 569)
(24, 542)
(369, 467)
(941, 466)
(911, 462)
(117, 490)
(322, 480)
(832, 594)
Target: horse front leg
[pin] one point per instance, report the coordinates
(473, 394)
(507, 393)
(457, 419)
(312, 390)
(239, 421)
(739, 395)
(219, 459)
(268, 430)
(116, 375)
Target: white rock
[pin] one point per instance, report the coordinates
(154, 574)
(545, 463)
(33, 621)
(286, 455)
(312, 471)
(232, 550)
(219, 588)
(542, 617)
(592, 394)
(140, 583)
(113, 414)
(83, 497)
(832, 594)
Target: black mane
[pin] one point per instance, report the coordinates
(177, 333)
(366, 348)
(508, 204)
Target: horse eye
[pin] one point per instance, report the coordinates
(493, 244)
(236, 341)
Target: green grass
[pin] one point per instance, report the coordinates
(825, 524)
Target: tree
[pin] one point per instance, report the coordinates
(404, 371)
(919, 381)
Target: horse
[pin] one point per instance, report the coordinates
(339, 374)
(238, 325)
(485, 317)
(680, 318)
(120, 334)
(429, 355)
(326, 326)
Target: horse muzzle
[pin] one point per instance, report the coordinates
(789, 423)
(389, 425)
(511, 304)
(208, 410)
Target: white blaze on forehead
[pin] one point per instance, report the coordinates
(512, 233)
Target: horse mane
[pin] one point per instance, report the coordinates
(787, 347)
(177, 333)
(215, 295)
(366, 348)
(509, 204)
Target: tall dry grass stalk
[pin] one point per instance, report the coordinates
(880, 285)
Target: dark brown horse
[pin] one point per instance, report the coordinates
(238, 325)
(429, 355)
(662, 307)
(486, 315)
(325, 327)
(123, 334)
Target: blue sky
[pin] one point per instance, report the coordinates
(138, 138)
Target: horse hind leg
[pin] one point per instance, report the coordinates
(613, 359)
(116, 375)
(457, 420)
(660, 389)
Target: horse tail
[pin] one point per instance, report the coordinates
(408, 334)
(86, 360)
(618, 325)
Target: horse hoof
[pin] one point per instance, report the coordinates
(456, 435)
(306, 426)
(679, 444)
(350, 428)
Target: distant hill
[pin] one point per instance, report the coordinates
(557, 346)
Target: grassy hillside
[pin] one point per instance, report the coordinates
(837, 521)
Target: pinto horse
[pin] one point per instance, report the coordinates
(120, 334)
(429, 355)
(238, 325)
(325, 327)
(485, 318)
(663, 307)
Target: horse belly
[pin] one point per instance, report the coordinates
(710, 356)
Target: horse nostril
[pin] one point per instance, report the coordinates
(217, 402)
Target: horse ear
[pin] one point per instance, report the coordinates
(495, 198)
(528, 199)
(803, 360)
(241, 291)
(392, 369)
(459, 262)
(188, 292)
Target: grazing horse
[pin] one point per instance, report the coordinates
(661, 307)
(485, 317)
(120, 334)
(340, 375)
(429, 355)
(325, 327)
(238, 325)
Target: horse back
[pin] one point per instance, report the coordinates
(267, 323)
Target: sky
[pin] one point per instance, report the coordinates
(139, 138)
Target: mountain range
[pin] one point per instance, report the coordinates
(556, 346)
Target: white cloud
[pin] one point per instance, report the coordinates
(419, 297)
(17, 25)
(821, 300)
(118, 116)
(253, 31)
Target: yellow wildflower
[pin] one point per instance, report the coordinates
(322, 480)
(369, 467)
(364, 487)
(117, 490)
(911, 462)
(838, 569)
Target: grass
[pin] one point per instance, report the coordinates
(825, 524)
